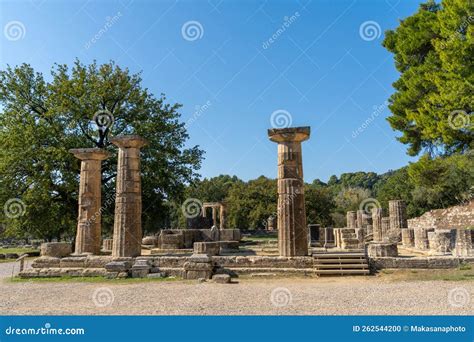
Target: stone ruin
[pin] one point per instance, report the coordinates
(217, 251)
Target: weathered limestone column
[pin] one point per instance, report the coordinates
(222, 217)
(377, 224)
(362, 219)
(398, 215)
(214, 216)
(128, 198)
(385, 227)
(292, 229)
(351, 218)
(88, 236)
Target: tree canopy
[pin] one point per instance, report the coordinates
(80, 107)
(434, 53)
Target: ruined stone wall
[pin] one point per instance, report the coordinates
(461, 216)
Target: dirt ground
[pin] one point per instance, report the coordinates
(388, 293)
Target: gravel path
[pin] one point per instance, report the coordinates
(293, 296)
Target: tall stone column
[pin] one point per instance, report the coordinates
(398, 218)
(214, 216)
(292, 229)
(377, 224)
(128, 198)
(88, 235)
(385, 227)
(351, 219)
(222, 217)
(362, 219)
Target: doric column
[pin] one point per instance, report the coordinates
(385, 227)
(88, 236)
(292, 229)
(377, 224)
(351, 219)
(128, 198)
(362, 219)
(222, 217)
(214, 215)
(398, 217)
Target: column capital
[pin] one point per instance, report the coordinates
(90, 153)
(290, 134)
(129, 141)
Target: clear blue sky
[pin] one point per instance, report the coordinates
(320, 67)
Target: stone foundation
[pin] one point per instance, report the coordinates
(56, 249)
(382, 249)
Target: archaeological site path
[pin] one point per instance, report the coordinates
(375, 295)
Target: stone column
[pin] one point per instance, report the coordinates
(128, 200)
(385, 227)
(271, 223)
(377, 224)
(362, 219)
(88, 236)
(214, 215)
(398, 215)
(351, 219)
(292, 229)
(222, 217)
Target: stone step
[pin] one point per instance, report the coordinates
(342, 266)
(341, 255)
(343, 272)
(341, 261)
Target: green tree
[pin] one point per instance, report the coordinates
(319, 203)
(434, 53)
(41, 120)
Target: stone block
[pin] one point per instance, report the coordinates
(376, 249)
(97, 261)
(72, 262)
(56, 249)
(230, 234)
(94, 272)
(421, 237)
(221, 278)
(169, 240)
(46, 262)
(118, 266)
(408, 237)
(208, 248)
(150, 240)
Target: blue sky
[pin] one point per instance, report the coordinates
(239, 68)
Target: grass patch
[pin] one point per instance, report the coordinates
(68, 279)
(18, 251)
(457, 274)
